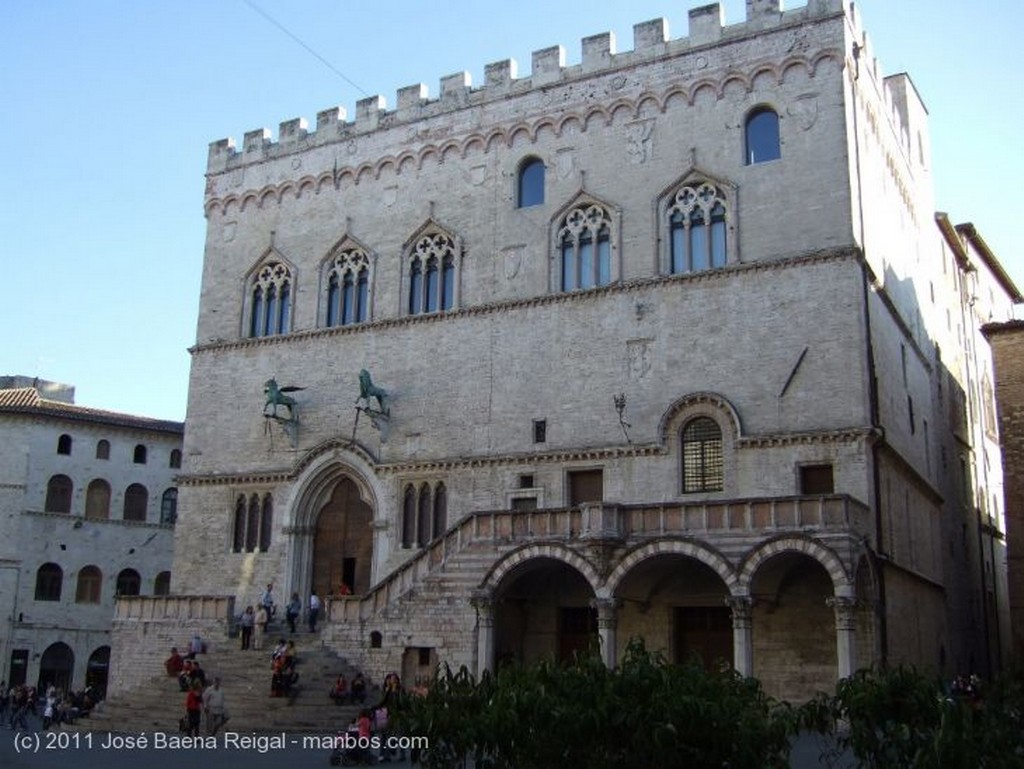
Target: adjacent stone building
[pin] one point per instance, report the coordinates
(673, 346)
(87, 507)
(1007, 341)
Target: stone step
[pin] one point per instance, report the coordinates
(245, 678)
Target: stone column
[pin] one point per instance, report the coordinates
(484, 605)
(607, 622)
(846, 629)
(742, 638)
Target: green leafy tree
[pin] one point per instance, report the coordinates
(643, 713)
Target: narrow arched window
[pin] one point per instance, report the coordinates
(363, 293)
(90, 582)
(58, 494)
(269, 326)
(432, 285)
(252, 525)
(348, 300)
(136, 498)
(333, 300)
(256, 319)
(238, 532)
(285, 311)
(440, 511)
(139, 455)
(423, 518)
(97, 500)
(762, 136)
(162, 583)
(175, 461)
(408, 517)
(64, 444)
(103, 449)
(129, 582)
(49, 581)
(169, 507)
(447, 282)
(415, 288)
(703, 460)
(266, 523)
(530, 188)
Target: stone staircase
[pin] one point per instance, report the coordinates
(245, 679)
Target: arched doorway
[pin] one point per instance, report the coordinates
(343, 542)
(97, 669)
(678, 606)
(56, 667)
(543, 608)
(794, 628)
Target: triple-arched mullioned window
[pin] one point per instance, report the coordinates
(432, 259)
(253, 523)
(270, 299)
(424, 513)
(345, 278)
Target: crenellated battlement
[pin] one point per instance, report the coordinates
(651, 40)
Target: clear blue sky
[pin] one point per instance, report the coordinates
(109, 105)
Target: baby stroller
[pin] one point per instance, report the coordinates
(348, 753)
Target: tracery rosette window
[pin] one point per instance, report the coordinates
(584, 238)
(697, 228)
(432, 273)
(348, 287)
(270, 307)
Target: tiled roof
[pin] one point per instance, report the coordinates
(26, 400)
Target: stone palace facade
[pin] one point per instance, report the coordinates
(674, 346)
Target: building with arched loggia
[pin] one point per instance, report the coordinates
(88, 503)
(673, 347)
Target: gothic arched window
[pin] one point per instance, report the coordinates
(697, 228)
(584, 240)
(432, 272)
(346, 280)
(270, 300)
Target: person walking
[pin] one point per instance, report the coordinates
(194, 708)
(214, 707)
(259, 627)
(246, 623)
(293, 611)
(314, 610)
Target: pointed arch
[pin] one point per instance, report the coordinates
(585, 244)
(431, 268)
(269, 288)
(697, 218)
(347, 278)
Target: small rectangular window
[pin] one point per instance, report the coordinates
(540, 430)
(526, 481)
(585, 486)
(816, 479)
(424, 655)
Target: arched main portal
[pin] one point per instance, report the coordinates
(543, 608)
(343, 541)
(56, 667)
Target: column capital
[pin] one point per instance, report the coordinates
(845, 608)
(607, 611)
(742, 607)
(483, 602)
